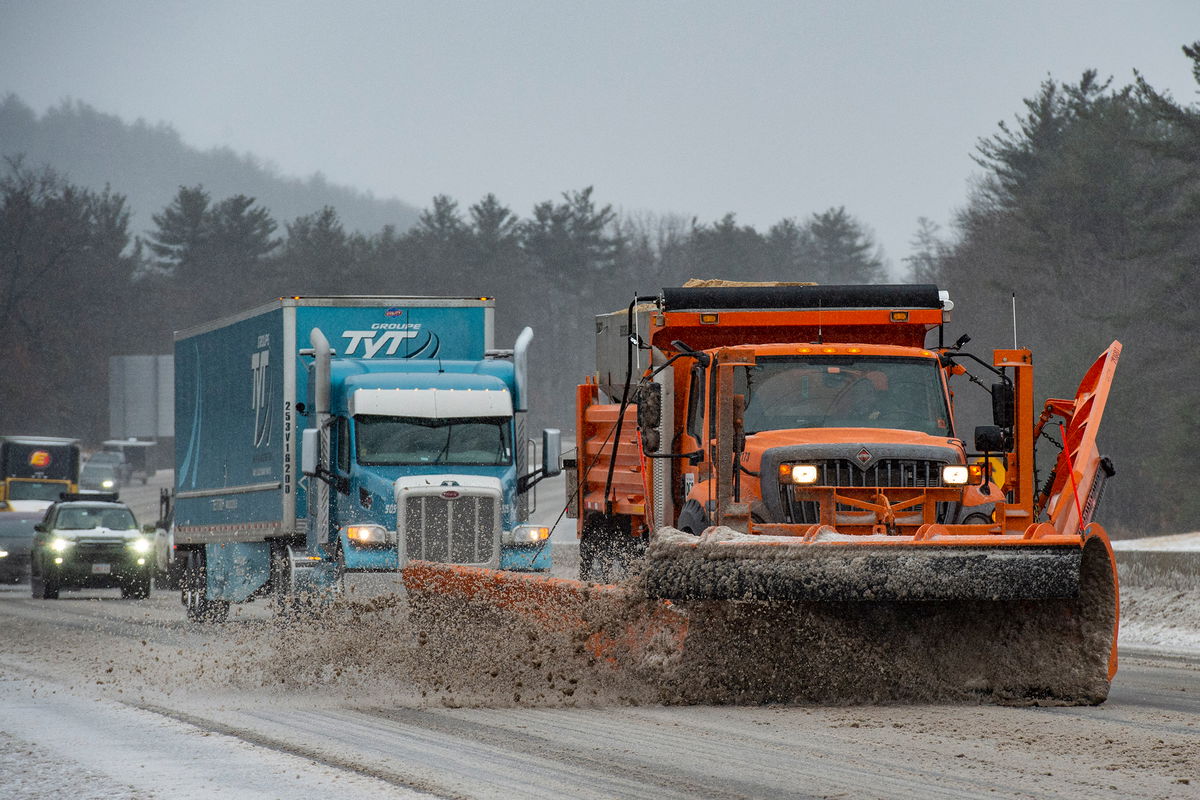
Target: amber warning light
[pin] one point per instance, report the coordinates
(39, 458)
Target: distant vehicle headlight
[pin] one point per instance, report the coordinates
(3, 554)
(141, 545)
(107, 483)
(60, 544)
(955, 474)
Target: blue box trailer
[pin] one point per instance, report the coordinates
(316, 436)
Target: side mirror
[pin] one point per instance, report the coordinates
(551, 452)
(310, 443)
(1003, 405)
(991, 439)
(40, 528)
(148, 529)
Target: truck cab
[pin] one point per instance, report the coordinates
(431, 451)
(792, 410)
(35, 470)
(849, 415)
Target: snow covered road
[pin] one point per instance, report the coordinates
(101, 697)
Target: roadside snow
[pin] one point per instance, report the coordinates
(56, 743)
(1174, 543)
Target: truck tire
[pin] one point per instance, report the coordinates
(285, 603)
(607, 550)
(194, 592)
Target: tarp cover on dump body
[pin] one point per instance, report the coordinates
(777, 297)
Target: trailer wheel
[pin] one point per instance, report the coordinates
(607, 550)
(194, 592)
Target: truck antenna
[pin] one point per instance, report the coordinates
(820, 333)
(1014, 315)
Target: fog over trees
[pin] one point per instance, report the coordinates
(1087, 208)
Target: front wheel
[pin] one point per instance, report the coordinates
(41, 587)
(607, 549)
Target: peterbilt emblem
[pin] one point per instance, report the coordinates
(863, 457)
(450, 495)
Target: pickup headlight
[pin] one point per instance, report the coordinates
(955, 475)
(530, 534)
(367, 535)
(141, 545)
(59, 545)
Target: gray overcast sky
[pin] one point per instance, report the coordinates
(766, 109)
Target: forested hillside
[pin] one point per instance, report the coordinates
(148, 163)
(1087, 208)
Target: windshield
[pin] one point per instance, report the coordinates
(80, 519)
(844, 392)
(14, 526)
(35, 490)
(466, 441)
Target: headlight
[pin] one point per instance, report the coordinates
(141, 545)
(797, 473)
(530, 534)
(366, 534)
(59, 545)
(955, 475)
(3, 554)
(107, 483)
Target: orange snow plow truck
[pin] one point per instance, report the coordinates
(779, 471)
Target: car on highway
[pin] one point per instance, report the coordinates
(117, 460)
(90, 541)
(99, 475)
(16, 541)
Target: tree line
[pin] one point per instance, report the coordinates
(1086, 209)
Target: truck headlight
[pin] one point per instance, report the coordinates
(798, 473)
(530, 534)
(59, 545)
(141, 545)
(955, 474)
(366, 534)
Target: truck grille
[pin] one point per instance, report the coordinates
(886, 473)
(458, 530)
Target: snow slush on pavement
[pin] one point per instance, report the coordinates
(777, 471)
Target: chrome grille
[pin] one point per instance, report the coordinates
(460, 530)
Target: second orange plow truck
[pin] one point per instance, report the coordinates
(780, 471)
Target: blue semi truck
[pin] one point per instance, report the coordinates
(316, 436)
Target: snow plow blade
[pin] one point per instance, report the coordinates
(752, 629)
